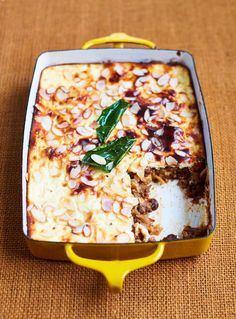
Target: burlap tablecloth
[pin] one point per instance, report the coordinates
(201, 287)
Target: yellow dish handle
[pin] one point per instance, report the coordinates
(115, 270)
(118, 39)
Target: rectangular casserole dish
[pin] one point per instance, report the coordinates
(116, 260)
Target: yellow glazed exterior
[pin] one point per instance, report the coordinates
(115, 261)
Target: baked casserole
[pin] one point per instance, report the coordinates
(157, 190)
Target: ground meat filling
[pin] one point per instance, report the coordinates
(193, 180)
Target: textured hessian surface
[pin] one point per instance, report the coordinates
(202, 287)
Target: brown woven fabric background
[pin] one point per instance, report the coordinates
(201, 287)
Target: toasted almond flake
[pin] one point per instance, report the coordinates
(73, 222)
(159, 132)
(77, 230)
(120, 133)
(123, 238)
(145, 145)
(61, 149)
(72, 184)
(186, 114)
(63, 125)
(157, 100)
(154, 88)
(170, 106)
(38, 215)
(56, 131)
(87, 113)
(77, 79)
(87, 230)
(53, 143)
(128, 119)
(175, 145)
(163, 80)
(46, 122)
(135, 108)
(44, 95)
(100, 85)
(156, 151)
(77, 149)
(135, 149)
(155, 142)
(127, 84)
(74, 173)
(81, 84)
(61, 95)
(119, 69)
(107, 204)
(175, 117)
(51, 90)
(89, 89)
(81, 156)
(116, 207)
(180, 153)
(173, 82)
(170, 160)
(98, 159)
(144, 131)
(97, 106)
(149, 157)
(89, 147)
(139, 72)
(126, 211)
(147, 116)
(75, 110)
(87, 182)
(105, 73)
(105, 100)
(74, 158)
(85, 131)
(156, 75)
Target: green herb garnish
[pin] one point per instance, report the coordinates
(109, 118)
(107, 156)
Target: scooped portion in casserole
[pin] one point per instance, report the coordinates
(116, 155)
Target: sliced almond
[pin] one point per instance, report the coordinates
(89, 89)
(105, 73)
(120, 133)
(81, 84)
(105, 100)
(155, 142)
(119, 69)
(61, 149)
(85, 131)
(147, 116)
(57, 132)
(94, 97)
(181, 153)
(88, 182)
(175, 117)
(173, 82)
(123, 238)
(128, 119)
(157, 100)
(139, 72)
(87, 230)
(135, 149)
(51, 90)
(170, 106)
(145, 145)
(100, 85)
(77, 149)
(77, 230)
(63, 125)
(44, 95)
(46, 122)
(156, 75)
(154, 88)
(73, 223)
(159, 132)
(74, 173)
(89, 147)
(170, 160)
(116, 207)
(149, 157)
(119, 125)
(98, 159)
(135, 108)
(38, 215)
(144, 131)
(163, 80)
(61, 95)
(64, 89)
(107, 204)
(87, 113)
(126, 211)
